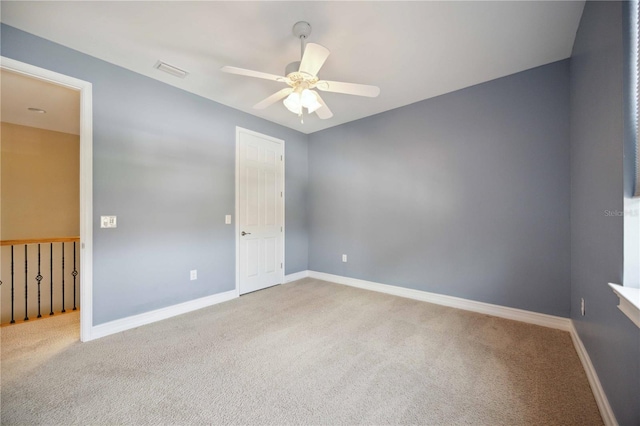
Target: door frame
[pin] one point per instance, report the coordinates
(86, 179)
(237, 197)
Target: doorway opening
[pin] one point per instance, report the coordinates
(46, 200)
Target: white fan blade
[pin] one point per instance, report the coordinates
(323, 112)
(251, 73)
(313, 58)
(348, 88)
(273, 98)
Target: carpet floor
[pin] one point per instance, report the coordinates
(308, 352)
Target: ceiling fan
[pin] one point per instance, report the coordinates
(302, 78)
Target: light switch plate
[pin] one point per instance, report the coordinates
(108, 222)
(227, 219)
(193, 274)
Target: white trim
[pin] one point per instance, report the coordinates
(296, 276)
(134, 321)
(629, 301)
(544, 320)
(284, 209)
(86, 180)
(237, 204)
(237, 212)
(284, 216)
(606, 412)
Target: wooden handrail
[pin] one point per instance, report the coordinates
(39, 241)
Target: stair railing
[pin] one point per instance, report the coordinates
(33, 275)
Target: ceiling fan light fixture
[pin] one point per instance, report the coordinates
(314, 107)
(293, 104)
(302, 77)
(309, 100)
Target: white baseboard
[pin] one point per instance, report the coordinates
(296, 276)
(134, 321)
(544, 320)
(606, 412)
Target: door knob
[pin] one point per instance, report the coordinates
(245, 233)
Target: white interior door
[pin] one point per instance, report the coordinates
(260, 207)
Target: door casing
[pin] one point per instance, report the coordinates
(86, 179)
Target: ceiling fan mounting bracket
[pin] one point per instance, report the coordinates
(301, 29)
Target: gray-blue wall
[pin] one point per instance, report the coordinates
(597, 132)
(466, 194)
(164, 164)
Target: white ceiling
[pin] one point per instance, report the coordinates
(411, 50)
(19, 92)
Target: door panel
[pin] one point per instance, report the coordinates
(270, 255)
(252, 255)
(260, 211)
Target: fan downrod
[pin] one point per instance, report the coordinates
(302, 29)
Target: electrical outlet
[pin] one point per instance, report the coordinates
(582, 306)
(344, 258)
(194, 274)
(227, 219)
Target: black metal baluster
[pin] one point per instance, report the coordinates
(51, 278)
(12, 290)
(75, 274)
(39, 278)
(63, 278)
(26, 273)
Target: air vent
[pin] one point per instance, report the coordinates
(170, 69)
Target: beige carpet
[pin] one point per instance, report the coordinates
(308, 352)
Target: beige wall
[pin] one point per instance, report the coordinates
(40, 188)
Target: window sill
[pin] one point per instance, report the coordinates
(629, 301)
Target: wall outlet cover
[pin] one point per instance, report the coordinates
(108, 222)
(193, 274)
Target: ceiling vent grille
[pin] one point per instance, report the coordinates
(170, 69)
